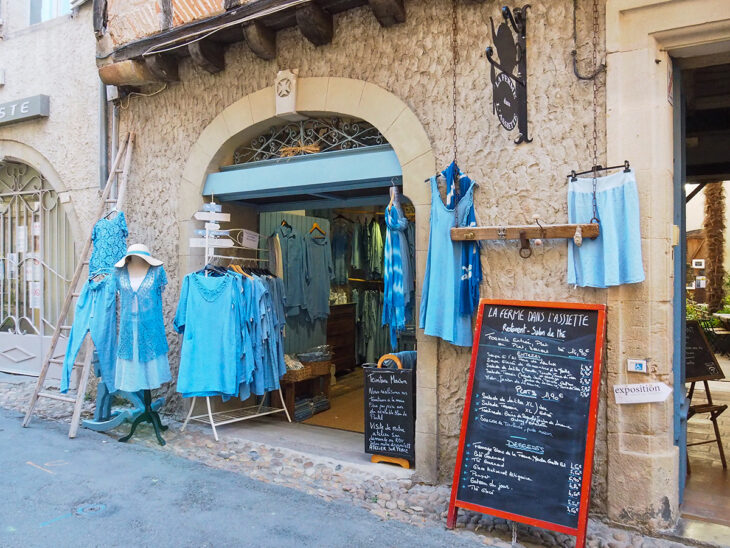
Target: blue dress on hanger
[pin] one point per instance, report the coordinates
(440, 314)
(209, 316)
(96, 308)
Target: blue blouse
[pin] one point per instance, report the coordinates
(143, 307)
(110, 244)
(213, 357)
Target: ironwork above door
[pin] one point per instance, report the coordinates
(309, 136)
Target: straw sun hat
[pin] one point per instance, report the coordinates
(141, 251)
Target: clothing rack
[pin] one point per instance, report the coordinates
(574, 176)
(242, 413)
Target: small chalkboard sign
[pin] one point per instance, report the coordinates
(390, 427)
(700, 361)
(526, 446)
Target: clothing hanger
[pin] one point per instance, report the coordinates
(284, 223)
(315, 226)
(595, 169)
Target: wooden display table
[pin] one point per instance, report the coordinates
(313, 384)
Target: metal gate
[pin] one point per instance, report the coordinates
(37, 263)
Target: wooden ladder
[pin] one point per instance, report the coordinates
(74, 291)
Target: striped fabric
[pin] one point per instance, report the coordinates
(397, 275)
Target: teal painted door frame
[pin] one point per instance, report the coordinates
(681, 404)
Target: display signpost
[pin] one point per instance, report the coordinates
(526, 446)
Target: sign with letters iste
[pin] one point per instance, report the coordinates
(526, 445)
(29, 108)
(390, 419)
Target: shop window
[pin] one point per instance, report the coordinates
(45, 10)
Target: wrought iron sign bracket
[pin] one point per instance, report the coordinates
(509, 74)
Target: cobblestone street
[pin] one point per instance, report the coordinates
(388, 494)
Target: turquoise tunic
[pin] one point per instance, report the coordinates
(209, 315)
(440, 314)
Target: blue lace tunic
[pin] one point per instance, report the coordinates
(142, 355)
(110, 244)
(144, 308)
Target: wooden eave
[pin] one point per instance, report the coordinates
(288, 17)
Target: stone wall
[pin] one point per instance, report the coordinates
(55, 58)
(413, 61)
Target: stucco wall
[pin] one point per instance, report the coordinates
(413, 61)
(55, 58)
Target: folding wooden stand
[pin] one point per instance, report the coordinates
(714, 411)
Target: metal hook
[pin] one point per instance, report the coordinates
(525, 249)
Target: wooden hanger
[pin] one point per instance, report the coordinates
(315, 226)
(284, 223)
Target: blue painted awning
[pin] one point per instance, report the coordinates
(329, 179)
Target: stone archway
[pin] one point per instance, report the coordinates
(16, 151)
(318, 96)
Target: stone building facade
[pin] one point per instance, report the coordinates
(398, 77)
(47, 55)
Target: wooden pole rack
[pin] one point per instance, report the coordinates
(517, 232)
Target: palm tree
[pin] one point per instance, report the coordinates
(714, 224)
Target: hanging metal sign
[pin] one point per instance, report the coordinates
(509, 74)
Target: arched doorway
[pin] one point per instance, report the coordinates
(251, 115)
(37, 254)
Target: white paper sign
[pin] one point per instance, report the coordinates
(250, 239)
(11, 263)
(645, 392)
(34, 294)
(36, 228)
(21, 239)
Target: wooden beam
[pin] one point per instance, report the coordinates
(208, 55)
(261, 40)
(547, 232)
(388, 12)
(99, 17)
(164, 67)
(273, 19)
(315, 24)
(127, 73)
(166, 9)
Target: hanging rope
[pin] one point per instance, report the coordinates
(455, 60)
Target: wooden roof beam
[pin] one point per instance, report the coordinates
(315, 24)
(163, 67)
(388, 12)
(208, 54)
(261, 40)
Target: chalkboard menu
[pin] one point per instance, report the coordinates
(700, 361)
(390, 412)
(526, 445)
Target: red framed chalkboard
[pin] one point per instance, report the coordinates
(528, 429)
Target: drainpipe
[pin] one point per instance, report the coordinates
(103, 135)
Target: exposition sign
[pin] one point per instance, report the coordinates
(20, 110)
(644, 392)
